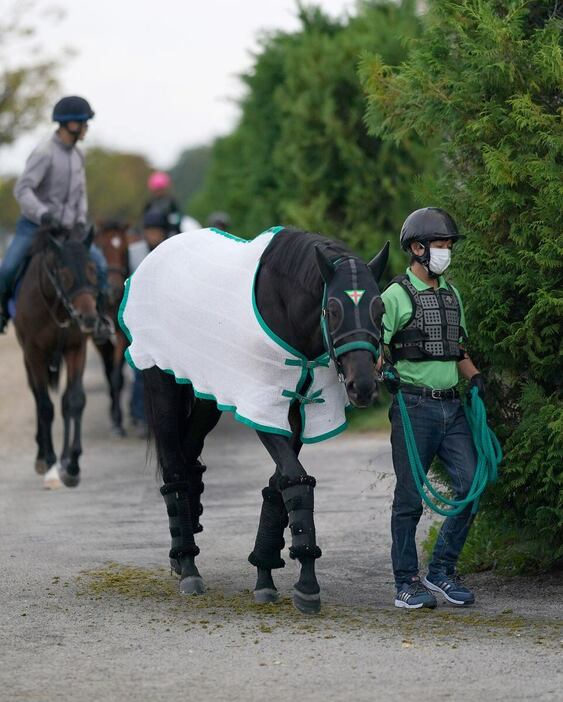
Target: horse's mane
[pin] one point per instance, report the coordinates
(291, 254)
(42, 237)
(40, 240)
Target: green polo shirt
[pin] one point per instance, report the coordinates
(438, 375)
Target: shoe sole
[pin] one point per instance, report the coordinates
(405, 605)
(444, 594)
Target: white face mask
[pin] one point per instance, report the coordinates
(440, 259)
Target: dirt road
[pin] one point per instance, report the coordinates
(89, 611)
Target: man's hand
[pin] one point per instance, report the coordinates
(477, 381)
(47, 220)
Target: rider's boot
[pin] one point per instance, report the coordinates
(179, 499)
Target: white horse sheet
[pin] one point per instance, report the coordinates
(190, 310)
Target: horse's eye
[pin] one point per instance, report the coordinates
(91, 274)
(335, 314)
(376, 310)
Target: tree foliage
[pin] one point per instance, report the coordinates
(28, 81)
(484, 83)
(301, 153)
(189, 171)
(116, 184)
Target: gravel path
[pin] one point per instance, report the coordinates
(89, 611)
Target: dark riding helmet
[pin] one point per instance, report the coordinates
(72, 109)
(428, 224)
(155, 219)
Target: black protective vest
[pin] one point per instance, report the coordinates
(434, 328)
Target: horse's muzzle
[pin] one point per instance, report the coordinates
(88, 323)
(361, 394)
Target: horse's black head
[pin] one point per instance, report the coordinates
(352, 312)
(73, 276)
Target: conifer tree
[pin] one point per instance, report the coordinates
(484, 83)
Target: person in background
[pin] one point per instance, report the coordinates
(219, 220)
(155, 231)
(161, 202)
(51, 192)
(424, 331)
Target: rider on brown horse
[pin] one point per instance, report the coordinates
(52, 192)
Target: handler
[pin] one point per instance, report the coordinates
(52, 192)
(424, 329)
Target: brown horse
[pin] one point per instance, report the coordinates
(111, 238)
(56, 310)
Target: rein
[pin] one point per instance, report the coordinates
(487, 446)
(62, 299)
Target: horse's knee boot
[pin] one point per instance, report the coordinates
(177, 497)
(269, 539)
(298, 496)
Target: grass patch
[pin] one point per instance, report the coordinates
(161, 605)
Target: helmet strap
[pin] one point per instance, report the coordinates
(424, 260)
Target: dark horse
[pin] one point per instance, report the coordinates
(111, 237)
(318, 297)
(56, 309)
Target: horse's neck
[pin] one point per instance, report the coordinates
(291, 314)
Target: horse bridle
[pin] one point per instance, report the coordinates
(62, 298)
(336, 346)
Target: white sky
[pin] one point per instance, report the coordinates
(160, 75)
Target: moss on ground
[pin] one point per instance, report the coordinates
(118, 584)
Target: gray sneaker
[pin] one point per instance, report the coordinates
(413, 595)
(451, 587)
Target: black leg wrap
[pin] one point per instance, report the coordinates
(298, 496)
(177, 500)
(196, 484)
(269, 539)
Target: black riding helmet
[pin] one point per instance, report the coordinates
(426, 225)
(72, 109)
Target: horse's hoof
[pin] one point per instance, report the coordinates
(69, 479)
(307, 604)
(266, 595)
(118, 431)
(192, 585)
(51, 479)
(41, 467)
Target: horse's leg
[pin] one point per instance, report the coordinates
(168, 406)
(36, 366)
(116, 383)
(73, 403)
(266, 555)
(297, 492)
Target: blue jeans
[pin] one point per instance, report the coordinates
(440, 429)
(20, 247)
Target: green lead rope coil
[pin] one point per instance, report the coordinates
(489, 455)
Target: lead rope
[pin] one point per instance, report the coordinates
(489, 455)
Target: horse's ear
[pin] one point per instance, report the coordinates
(89, 238)
(325, 266)
(377, 264)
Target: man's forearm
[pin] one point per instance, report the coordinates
(467, 368)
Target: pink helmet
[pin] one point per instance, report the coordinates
(159, 181)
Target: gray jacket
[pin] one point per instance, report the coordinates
(53, 181)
